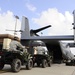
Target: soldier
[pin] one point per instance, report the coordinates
(15, 45)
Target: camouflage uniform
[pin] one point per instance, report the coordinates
(15, 46)
(40, 50)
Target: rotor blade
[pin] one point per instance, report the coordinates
(40, 29)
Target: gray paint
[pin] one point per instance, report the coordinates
(52, 42)
(25, 28)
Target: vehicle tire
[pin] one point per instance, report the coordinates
(33, 64)
(29, 65)
(38, 64)
(16, 65)
(44, 63)
(68, 64)
(49, 64)
(1, 65)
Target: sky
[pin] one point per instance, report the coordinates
(40, 13)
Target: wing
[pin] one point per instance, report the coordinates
(47, 39)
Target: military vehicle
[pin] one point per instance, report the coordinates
(40, 54)
(15, 59)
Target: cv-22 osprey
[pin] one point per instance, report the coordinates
(53, 43)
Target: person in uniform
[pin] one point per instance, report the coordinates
(16, 45)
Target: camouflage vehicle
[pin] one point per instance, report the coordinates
(15, 59)
(40, 54)
(41, 57)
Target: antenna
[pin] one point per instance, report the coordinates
(15, 26)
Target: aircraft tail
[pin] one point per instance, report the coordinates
(25, 28)
(26, 32)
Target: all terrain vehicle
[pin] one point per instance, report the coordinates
(15, 59)
(41, 57)
(41, 60)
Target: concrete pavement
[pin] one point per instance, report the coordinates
(55, 69)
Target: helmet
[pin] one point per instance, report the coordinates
(15, 38)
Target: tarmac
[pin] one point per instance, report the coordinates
(55, 69)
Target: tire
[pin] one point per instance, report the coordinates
(68, 64)
(33, 64)
(38, 64)
(16, 65)
(49, 64)
(29, 65)
(1, 65)
(44, 63)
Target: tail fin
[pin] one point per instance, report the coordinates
(25, 28)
